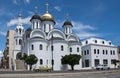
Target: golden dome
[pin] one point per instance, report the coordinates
(47, 16)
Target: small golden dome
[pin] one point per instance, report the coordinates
(47, 16)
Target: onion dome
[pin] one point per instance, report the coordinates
(36, 16)
(47, 17)
(67, 22)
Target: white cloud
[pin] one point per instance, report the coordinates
(15, 2)
(3, 33)
(13, 22)
(27, 1)
(81, 29)
(1, 54)
(57, 8)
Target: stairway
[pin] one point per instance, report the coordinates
(20, 65)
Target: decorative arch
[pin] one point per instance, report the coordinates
(56, 34)
(73, 37)
(18, 55)
(37, 33)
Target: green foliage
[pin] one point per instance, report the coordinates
(115, 62)
(30, 60)
(71, 59)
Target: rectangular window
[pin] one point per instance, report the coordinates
(32, 47)
(52, 48)
(87, 51)
(106, 52)
(105, 61)
(70, 49)
(62, 48)
(97, 51)
(111, 52)
(77, 49)
(103, 51)
(94, 51)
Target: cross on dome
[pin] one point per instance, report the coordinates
(47, 7)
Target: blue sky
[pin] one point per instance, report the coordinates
(98, 18)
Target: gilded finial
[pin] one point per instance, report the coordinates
(47, 7)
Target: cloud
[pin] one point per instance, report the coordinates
(28, 1)
(1, 54)
(15, 2)
(13, 22)
(80, 29)
(57, 8)
(3, 33)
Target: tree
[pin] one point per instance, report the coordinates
(30, 60)
(115, 62)
(71, 59)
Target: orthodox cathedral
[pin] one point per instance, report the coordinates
(46, 42)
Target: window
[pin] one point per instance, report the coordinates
(113, 52)
(103, 51)
(20, 31)
(40, 47)
(62, 48)
(103, 42)
(52, 47)
(41, 61)
(109, 43)
(70, 49)
(86, 42)
(37, 24)
(20, 41)
(16, 41)
(77, 49)
(87, 51)
(87, 63)
(32, 47)
(105, 61)
(95, 41)
(97, 51)
(112, 61)
(94, 51)
(106, 52)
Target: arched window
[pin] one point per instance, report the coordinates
(95, 41)
(20, 41)
(77, 49)
(40, 47)
(70, 49)
(32, 47)
(36, 24)
(62, 48)
(16, 41)
(52, 48)
(41, 61)
(20, 31)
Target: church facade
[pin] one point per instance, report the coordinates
(46, 42)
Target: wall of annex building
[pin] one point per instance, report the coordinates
(103, 53)
(86, 56)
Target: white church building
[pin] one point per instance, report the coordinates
(46, 42)
(49, 44)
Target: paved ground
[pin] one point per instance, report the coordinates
(85, 74)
